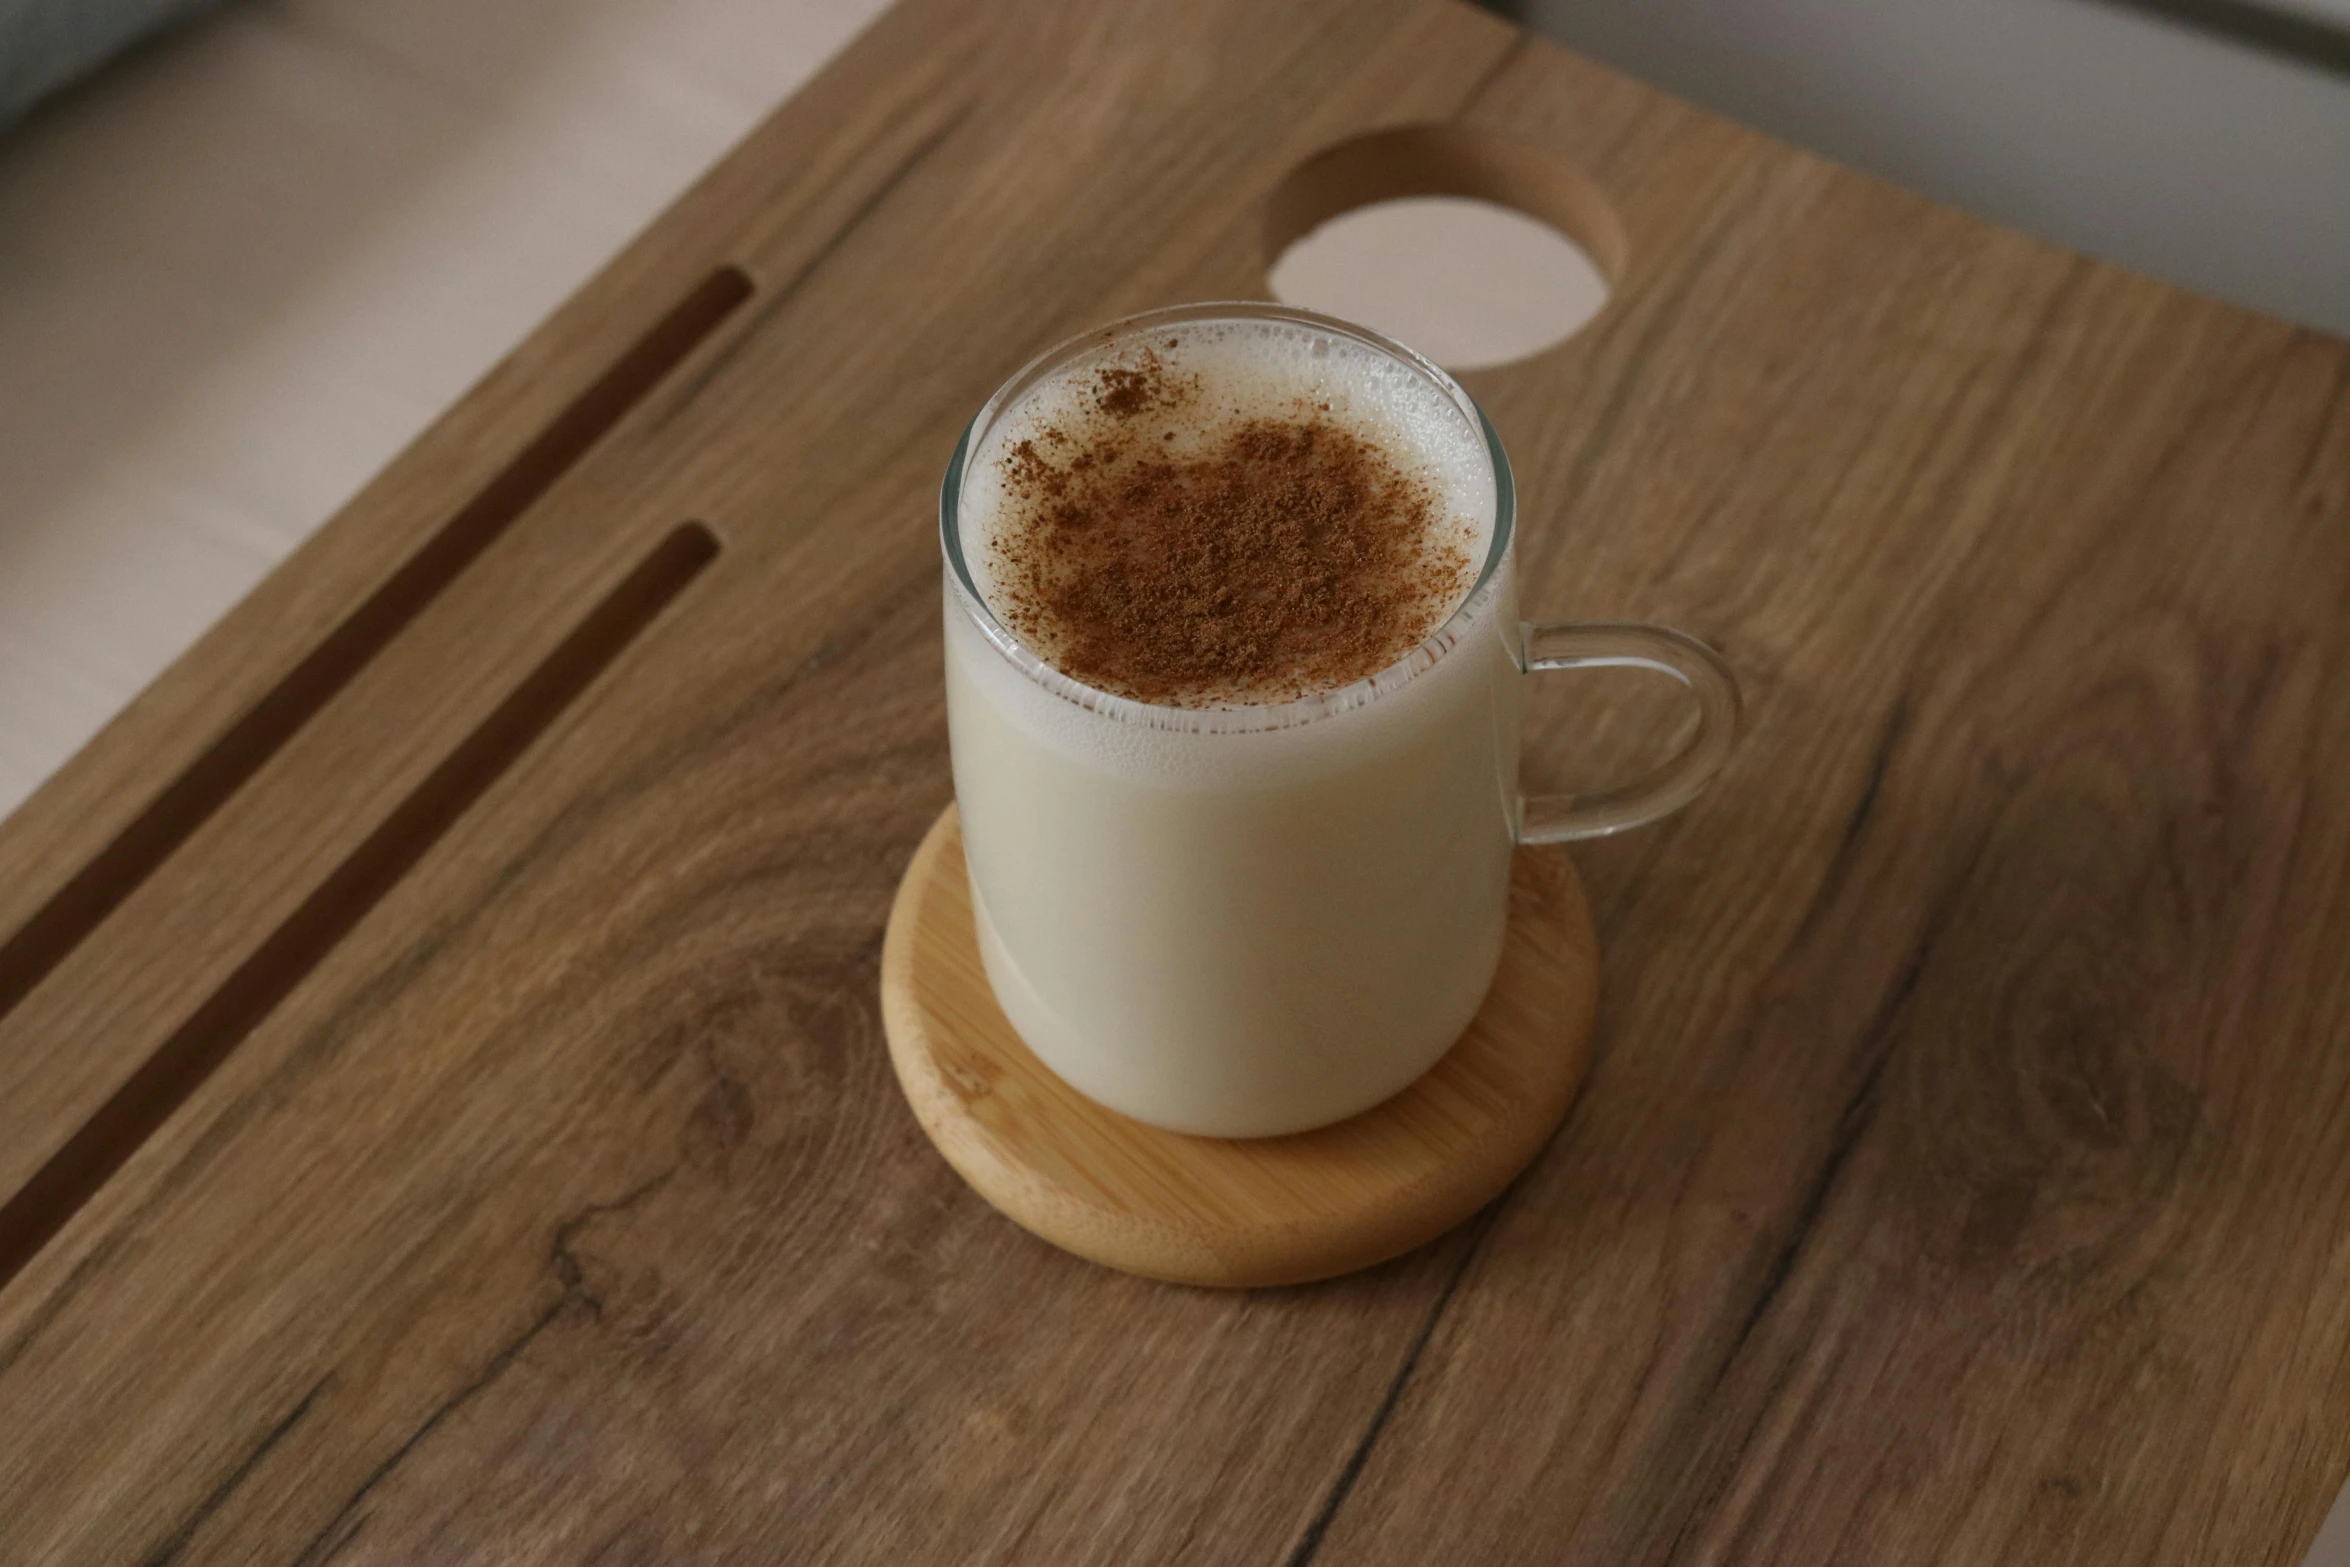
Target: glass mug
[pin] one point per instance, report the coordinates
(1246, 921)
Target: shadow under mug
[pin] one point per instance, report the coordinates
(1247, 921)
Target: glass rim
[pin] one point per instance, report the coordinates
(1431, 650)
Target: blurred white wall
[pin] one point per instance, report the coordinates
(243, 266)
(2210, 162)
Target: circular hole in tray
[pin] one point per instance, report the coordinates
(1475, 250)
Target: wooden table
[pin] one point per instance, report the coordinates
(443, 1114)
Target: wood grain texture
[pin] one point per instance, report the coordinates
(1217, 1211)
(1959, 1174)
(1937, 1185)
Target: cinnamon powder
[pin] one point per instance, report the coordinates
(1277, 557)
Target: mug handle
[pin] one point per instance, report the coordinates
(1558, 818)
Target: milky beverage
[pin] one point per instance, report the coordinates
(1235, 760)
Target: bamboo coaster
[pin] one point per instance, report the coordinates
(1201, 1210)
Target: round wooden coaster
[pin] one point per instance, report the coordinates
(1202, 1210)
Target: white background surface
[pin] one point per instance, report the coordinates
(239, 271)
(244, 267)
(2218, 166)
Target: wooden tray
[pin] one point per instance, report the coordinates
(443, 1109)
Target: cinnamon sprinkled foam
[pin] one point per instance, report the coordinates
(1233, 513)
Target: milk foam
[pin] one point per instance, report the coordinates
(1246, 371)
